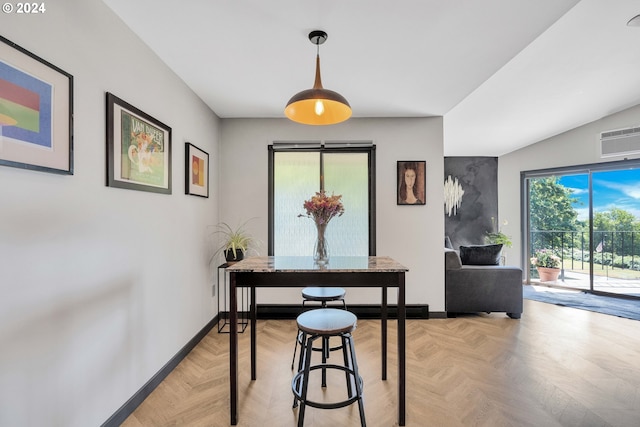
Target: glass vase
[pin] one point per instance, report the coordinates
(321, 248)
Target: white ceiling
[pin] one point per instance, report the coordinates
(502, 73)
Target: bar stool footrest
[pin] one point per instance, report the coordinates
(297, 393)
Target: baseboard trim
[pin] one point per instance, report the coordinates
(363, 311)
(438, 315)
(127, 409)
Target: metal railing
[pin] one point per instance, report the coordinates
(615, 249)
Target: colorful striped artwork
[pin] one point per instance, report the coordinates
(25, 107)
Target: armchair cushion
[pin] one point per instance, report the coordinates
(480, 254)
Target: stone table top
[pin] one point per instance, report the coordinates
(271, 264)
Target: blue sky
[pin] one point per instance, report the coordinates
(620, 189)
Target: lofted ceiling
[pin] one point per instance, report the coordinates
(503, 73)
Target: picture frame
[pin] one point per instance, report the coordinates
(411, 179)
(196, 171)
(36, 112)
(138, 149)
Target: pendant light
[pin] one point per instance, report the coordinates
(318, 106)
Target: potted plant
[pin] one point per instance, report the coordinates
(498, 237)
(235, 241)
(547, 263)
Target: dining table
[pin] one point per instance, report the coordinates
(300, 271)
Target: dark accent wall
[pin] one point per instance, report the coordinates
(478, 177)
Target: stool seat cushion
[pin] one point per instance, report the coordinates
(327, 321)
(323, 294)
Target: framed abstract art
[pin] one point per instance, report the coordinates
(36, 112)
(196, 171)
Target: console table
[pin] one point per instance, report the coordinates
(276, 272)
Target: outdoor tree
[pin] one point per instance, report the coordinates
(610, 231)
(551, 212)
(615, 219)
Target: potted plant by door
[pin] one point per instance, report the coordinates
(547, 263)
(235, 242)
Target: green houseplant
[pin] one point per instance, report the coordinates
(498, 237)
(235, 242)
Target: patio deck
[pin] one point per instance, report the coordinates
(580, 281)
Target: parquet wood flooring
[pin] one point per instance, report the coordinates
(556, 366)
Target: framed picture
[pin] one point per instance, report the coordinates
(138, 149)
(36, 112)
(196, 171)
(412, 182)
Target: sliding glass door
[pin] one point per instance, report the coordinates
(616, 231)
(588, 217)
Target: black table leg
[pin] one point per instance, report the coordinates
(254, 316)
(383, 327)
(233, 349)
(402, 365)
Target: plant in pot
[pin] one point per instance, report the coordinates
(498, 237)
(235, 242)
(547, 263)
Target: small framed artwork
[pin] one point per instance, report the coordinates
(36, 112)
(196, 171)
(411, 182)
(138, 149)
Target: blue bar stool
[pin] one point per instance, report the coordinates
(318, 325)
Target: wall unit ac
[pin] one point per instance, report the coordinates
(620, 142)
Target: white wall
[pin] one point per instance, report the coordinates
(410, 234)
(100, 286)
(578, 146)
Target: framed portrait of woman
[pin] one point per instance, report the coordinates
(411, 182)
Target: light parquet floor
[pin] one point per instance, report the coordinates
(556, 366)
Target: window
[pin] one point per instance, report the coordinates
(297, 172)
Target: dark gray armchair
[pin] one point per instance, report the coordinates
(481, 288)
